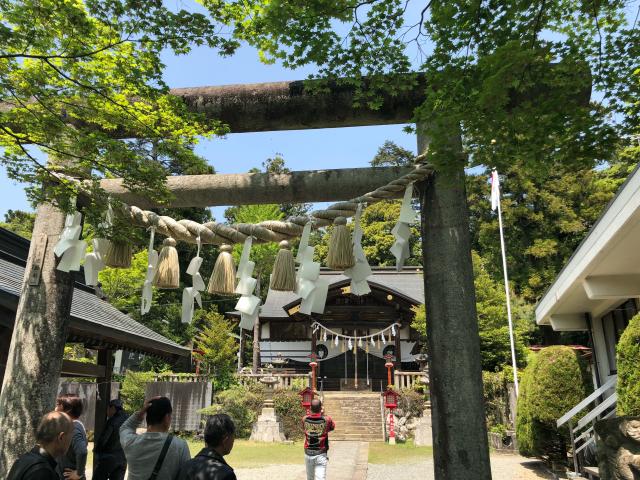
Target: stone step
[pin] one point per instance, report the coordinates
(356, 437)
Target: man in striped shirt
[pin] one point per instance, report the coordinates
(316, 442)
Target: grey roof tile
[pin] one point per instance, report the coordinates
(86, 307)
(408, 282)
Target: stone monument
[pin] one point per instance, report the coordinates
(619, 448)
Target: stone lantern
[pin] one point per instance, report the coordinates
(268, 427)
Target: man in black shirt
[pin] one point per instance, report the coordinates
(209, 464)
(53, 438)
(108, 456)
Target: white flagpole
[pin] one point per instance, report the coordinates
(496, 199)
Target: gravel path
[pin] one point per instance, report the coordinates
(503, 467)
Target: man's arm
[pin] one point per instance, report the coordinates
(128, 429)
(330, 424)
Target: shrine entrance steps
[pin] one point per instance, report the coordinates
(357, 415)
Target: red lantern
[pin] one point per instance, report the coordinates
(390, 398)
(391, 402)
(307, 396)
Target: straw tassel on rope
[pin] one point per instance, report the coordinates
(118, 255)
(283, 277)
(168, 272)
(340, 255)
(223, 278)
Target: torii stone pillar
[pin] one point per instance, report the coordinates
(460, 442)
(37, 346)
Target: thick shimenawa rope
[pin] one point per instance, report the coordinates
(271, 230)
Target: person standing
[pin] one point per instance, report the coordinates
(316, 441)
(155, 454)
(53, 438)
(71, 466)
(108, 456)
(209, 464)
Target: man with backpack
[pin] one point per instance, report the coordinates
(316, 441)
(53, 438)
(155, 454)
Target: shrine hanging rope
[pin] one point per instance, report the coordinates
(351, 337)
(273, 230)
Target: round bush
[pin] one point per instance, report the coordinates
(242, 403)
(628, 360)
(411, 403)
(554, 382)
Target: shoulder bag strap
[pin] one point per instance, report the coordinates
(160, 461)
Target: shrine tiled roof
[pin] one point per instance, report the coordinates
(408, 283)
(93, 321)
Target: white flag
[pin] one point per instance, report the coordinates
(495, 190)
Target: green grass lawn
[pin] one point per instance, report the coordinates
(247, 454)
(383, 453)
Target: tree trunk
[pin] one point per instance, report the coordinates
(460, 441)
(37, 346)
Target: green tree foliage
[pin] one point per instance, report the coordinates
(495, 346)
(554, 382)
(392, 155)
(545, 217)
(628, 362)
(514, 72)
(216, 349)
(133, 389)
(19, 222)
(76, 76)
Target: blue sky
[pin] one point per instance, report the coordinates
(302, 149)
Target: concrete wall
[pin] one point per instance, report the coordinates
(186, 398)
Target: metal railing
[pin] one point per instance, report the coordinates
(583, 434)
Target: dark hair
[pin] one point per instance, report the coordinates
(72, 405)
(159, 408)
(316, 405)
(51, 425)
(218, 426)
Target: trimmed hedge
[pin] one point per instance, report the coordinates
(553, 383)
(242, 403)
(290, 412)
(628, 361)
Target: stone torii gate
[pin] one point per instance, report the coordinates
(460, 437)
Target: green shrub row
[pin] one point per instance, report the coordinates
(628, 363)
(555, 381)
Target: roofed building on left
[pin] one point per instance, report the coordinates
(94, 323)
